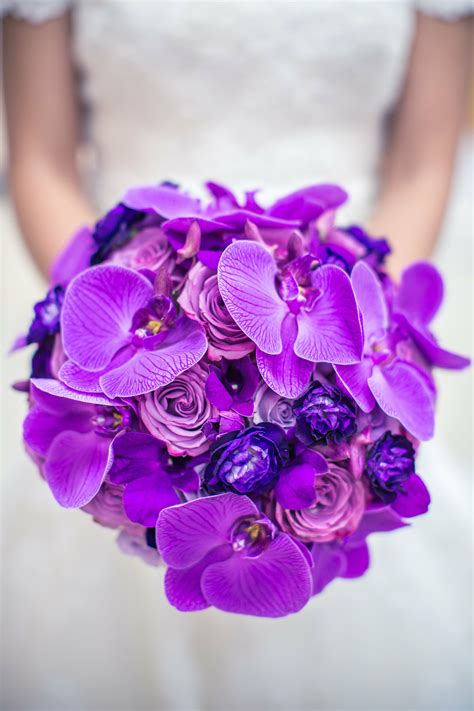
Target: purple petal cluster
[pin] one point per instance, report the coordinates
(238, 390)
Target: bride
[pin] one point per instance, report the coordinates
(101, 95)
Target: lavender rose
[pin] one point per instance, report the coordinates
(150, 249)
(177, 413)
(106, 507)
(336, 513)
(271, 407)
(202, 301)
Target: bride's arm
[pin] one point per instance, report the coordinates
(42, 128)
(419, 158)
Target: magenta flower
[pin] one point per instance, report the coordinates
(73, 434)
(222, 552)
(401, 389)
(121, 337)
(416, 304)
(151, 478)
(310, 315)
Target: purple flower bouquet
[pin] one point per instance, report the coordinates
(240, 391)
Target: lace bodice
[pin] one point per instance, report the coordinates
(257, 94)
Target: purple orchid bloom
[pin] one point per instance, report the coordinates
(73, 433)
(401, 389)
(222, 552)
(151, 477)
(416, 303)
(232, 385)
(309, 315)
(122, 339)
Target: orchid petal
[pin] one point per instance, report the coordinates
(286, 373)
(376, 521)
(274, 584)
(41, 427)
(329, 329)
(217, 394)
(432, 351)
(165, 201)
(308, 203)
(329, 563)
(183, 587)
(144, 498)
(354, 379)
(59, 390)
(97, 313)
(402, 392)
(236, 220)
(420, 293)
(246, 278)
(370, 299)
(182, 348)
(136, 455)
(74, 258)
(414, 500)
(79, 379)
(295, 487)
(188, 532)
(357, 560)
(76, 466)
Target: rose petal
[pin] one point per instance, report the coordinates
(402, 393)
(274, 584)
(187, 532)
(329, 330)
(97, 313)
(246, 278)
(76, 466)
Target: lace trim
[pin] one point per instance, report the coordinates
(35, 11)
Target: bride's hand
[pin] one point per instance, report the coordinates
(419, 156)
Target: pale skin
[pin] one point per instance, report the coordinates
(43, 136)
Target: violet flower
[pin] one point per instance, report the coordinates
(114, 230)
(73, 434)
(42, 331)
(231, 386)
(391, 471)
(123, 339)
(324, 414)
(400, 388)
(310, 316)
(152, 478)
(222, 552)
(247, 461)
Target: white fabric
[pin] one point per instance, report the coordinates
(271, 94)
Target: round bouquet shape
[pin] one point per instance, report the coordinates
(239, 390)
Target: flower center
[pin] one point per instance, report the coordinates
(250, 536)
(108, 421)
(150, 323)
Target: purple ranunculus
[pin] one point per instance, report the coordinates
(325, 415)
(176, 413)
(248, 461)
(231, 385)
(402, 390)
(73, 433)
(391, 471)
(201, 300)
(152, 478)
(122, 338)
(149, 249)
(337, 507)
(222, 552)
(271, 407)
(114, 230)
(416, 303)
(309, 314)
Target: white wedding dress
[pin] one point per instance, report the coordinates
(255, 94)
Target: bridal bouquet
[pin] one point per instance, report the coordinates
(239, 390)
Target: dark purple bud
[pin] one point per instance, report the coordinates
(247, 461)
(47, 314)
(325, 415)
(114, 230)
(379, 248)
(390, 462)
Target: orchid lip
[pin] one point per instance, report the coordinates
(251, 536)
